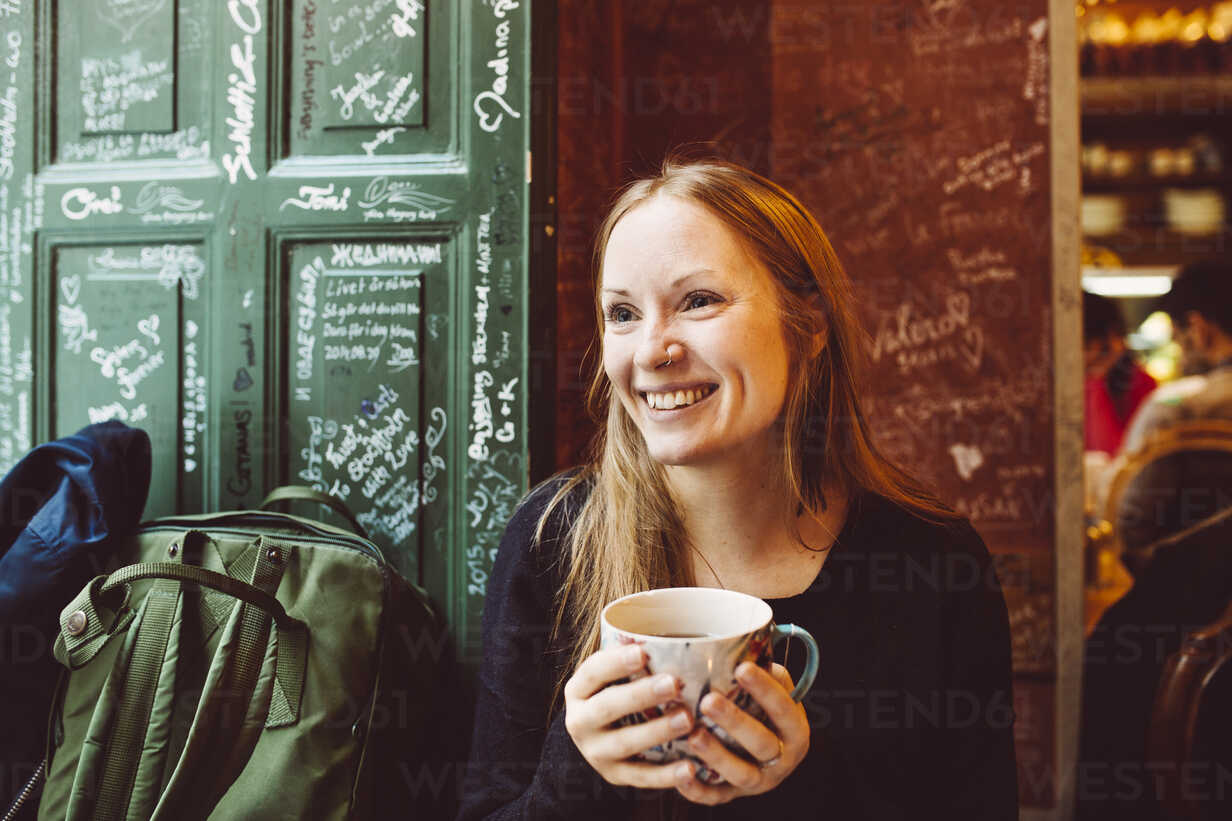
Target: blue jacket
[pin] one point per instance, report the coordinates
(62, 509)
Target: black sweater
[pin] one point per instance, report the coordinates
(910, 714)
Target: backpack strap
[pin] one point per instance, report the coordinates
(143, 681)
(302, 493)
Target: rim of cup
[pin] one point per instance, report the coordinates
(760, 613)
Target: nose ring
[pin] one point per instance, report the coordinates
(671, 357)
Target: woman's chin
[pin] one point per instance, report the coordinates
(678, 454)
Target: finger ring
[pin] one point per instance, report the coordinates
(765, 765)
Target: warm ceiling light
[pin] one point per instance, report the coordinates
(1152, 281)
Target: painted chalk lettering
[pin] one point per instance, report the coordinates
(408, 12)
(490, 106)
(156, 195)
(361, 91)
(109, 361)
(479, 345)
(116, 410)
(349, 255)
(80, 203)
(242, 90)
(433, 462)
(110, 86)
(8, 131)
(75, 326)
(306, 314)
(383, 191)
(318, 198)
(501, 7)
(383, 137)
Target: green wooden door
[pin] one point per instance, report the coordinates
(288, 239)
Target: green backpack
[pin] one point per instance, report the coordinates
(252, 665)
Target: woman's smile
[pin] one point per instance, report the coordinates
(669, 398)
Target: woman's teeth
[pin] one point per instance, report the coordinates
(678, 399)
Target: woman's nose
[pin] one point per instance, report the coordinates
(652, 349)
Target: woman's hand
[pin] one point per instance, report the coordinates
(779, 754)
(591, 707)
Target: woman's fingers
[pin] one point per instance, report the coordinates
(646, 776)
(628, 741)
(784, 744)
(772, 690)
(779, 673)
(758, 739)
(593, 704)
(735, 770)
(648, 692)
(700, 793)
(602, 668)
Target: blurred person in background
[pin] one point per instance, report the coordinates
(1115, 383)
(1174, 493)
(1200, 305)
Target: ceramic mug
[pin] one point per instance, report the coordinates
(700, 635)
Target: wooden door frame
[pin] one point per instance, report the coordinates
(542, 395)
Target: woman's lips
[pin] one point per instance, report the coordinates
(680, 398)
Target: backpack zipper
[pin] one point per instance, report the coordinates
(26, 792)
(358, 542)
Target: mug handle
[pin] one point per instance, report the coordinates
(781, 632)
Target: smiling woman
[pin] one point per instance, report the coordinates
(735, 454)
(675, 279)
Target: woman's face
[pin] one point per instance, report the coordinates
(676, 277)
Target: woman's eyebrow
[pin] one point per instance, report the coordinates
(676, 283)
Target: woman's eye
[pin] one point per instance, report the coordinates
(620, 313)
(694, 301)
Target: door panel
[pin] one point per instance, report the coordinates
(131, 346)
(128, 80)
(289, 240)
(355, 393)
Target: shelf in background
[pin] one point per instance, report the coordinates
(1161, 246)
(1198, 96)
(1144, 182)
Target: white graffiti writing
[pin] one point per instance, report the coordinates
(193, 425)
(110, 86)
(490, 106)
(318, 198)
(117, 411)
(306, 315)
(383, 137)
(242, 90)
(481, 417)
(75, 326)
(79, 203)
(408, 11)
(361, 91)
(348, 255)
(8, 109)
(155, 195)
(479, 346)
